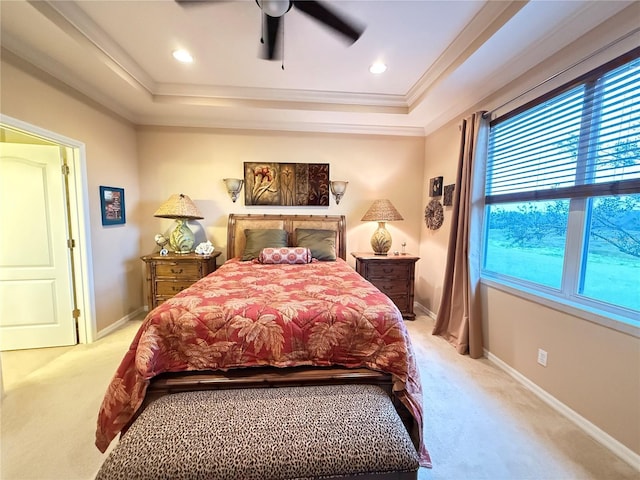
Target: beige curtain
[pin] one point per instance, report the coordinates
(459, 318)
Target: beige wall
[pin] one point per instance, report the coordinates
(111, 160)
(194, 161)
(592, 369)
(442, 150)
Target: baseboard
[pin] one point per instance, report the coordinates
(592, 430)
(114, 326)
(423, 309)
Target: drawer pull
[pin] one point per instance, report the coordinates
(388, 270)
(176, 289)
(177, 271)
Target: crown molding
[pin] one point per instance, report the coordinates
(270, 97)
(58, 76)
(492, 17)
(316, 127)
(79, 26)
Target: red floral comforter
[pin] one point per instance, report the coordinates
(249, 314)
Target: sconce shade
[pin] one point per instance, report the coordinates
(381, 211)
(181, 208)
(338, 187)
(234, 185)
(178, 206)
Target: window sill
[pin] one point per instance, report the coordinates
(605, 319)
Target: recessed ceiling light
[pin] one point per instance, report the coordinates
(182, 56)
(377, 68)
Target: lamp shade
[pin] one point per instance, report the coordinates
(382, 211)
(178, 206)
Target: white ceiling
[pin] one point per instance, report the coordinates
(443, 57)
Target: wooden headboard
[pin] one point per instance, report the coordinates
(238, 223)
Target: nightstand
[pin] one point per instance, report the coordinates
(394, 275)
(172, 273)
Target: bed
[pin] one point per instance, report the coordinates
(257, 322)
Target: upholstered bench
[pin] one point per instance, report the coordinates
(332, 431)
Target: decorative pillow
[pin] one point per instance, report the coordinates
(257, 239)
(288, 255)
(322, 243)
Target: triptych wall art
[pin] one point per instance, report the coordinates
(286, 184)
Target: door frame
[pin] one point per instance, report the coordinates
(78, 202)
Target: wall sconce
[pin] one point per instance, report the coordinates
(381, 211)
(234, 185)
(181, 208)
(338, 187)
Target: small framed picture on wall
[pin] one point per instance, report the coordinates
(435, 187)
(448, 195)
(112, 205)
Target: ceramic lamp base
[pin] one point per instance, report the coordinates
(182, 238)
(381, 240)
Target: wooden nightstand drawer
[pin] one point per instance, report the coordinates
(177, 269)
(402, 302)
(388, 270)
(171, 288)
(390, 286)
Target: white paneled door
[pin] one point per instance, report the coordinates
(36, 295)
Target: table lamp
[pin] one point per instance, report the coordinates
(381, 211)
(181, 208)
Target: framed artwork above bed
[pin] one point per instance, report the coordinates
(286, 184)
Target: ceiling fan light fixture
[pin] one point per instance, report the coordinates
(275, 8)
(182, 56)
(378, 68)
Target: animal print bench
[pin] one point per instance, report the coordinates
(331, 431)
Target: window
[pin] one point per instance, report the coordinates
(562, 204)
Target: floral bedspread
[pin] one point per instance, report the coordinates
(248, 314)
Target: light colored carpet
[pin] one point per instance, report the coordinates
(480, 423)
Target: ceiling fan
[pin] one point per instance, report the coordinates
(273, 12)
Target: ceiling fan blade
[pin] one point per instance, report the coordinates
(271, 49)
(331, 19)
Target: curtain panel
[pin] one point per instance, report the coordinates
(459, 318)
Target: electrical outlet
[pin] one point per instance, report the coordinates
(542, 357)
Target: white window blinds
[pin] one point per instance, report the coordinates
(583, 141)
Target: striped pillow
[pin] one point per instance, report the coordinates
(288, 255)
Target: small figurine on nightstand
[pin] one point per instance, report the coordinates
(161, 240)
(404, 248)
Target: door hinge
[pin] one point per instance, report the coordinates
(65, 169)
(76, 313)
(71, 243)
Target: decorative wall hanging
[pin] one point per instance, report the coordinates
(447, 201)
(287, 184)
(435, 187)
(433, 215)
(112, 205)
